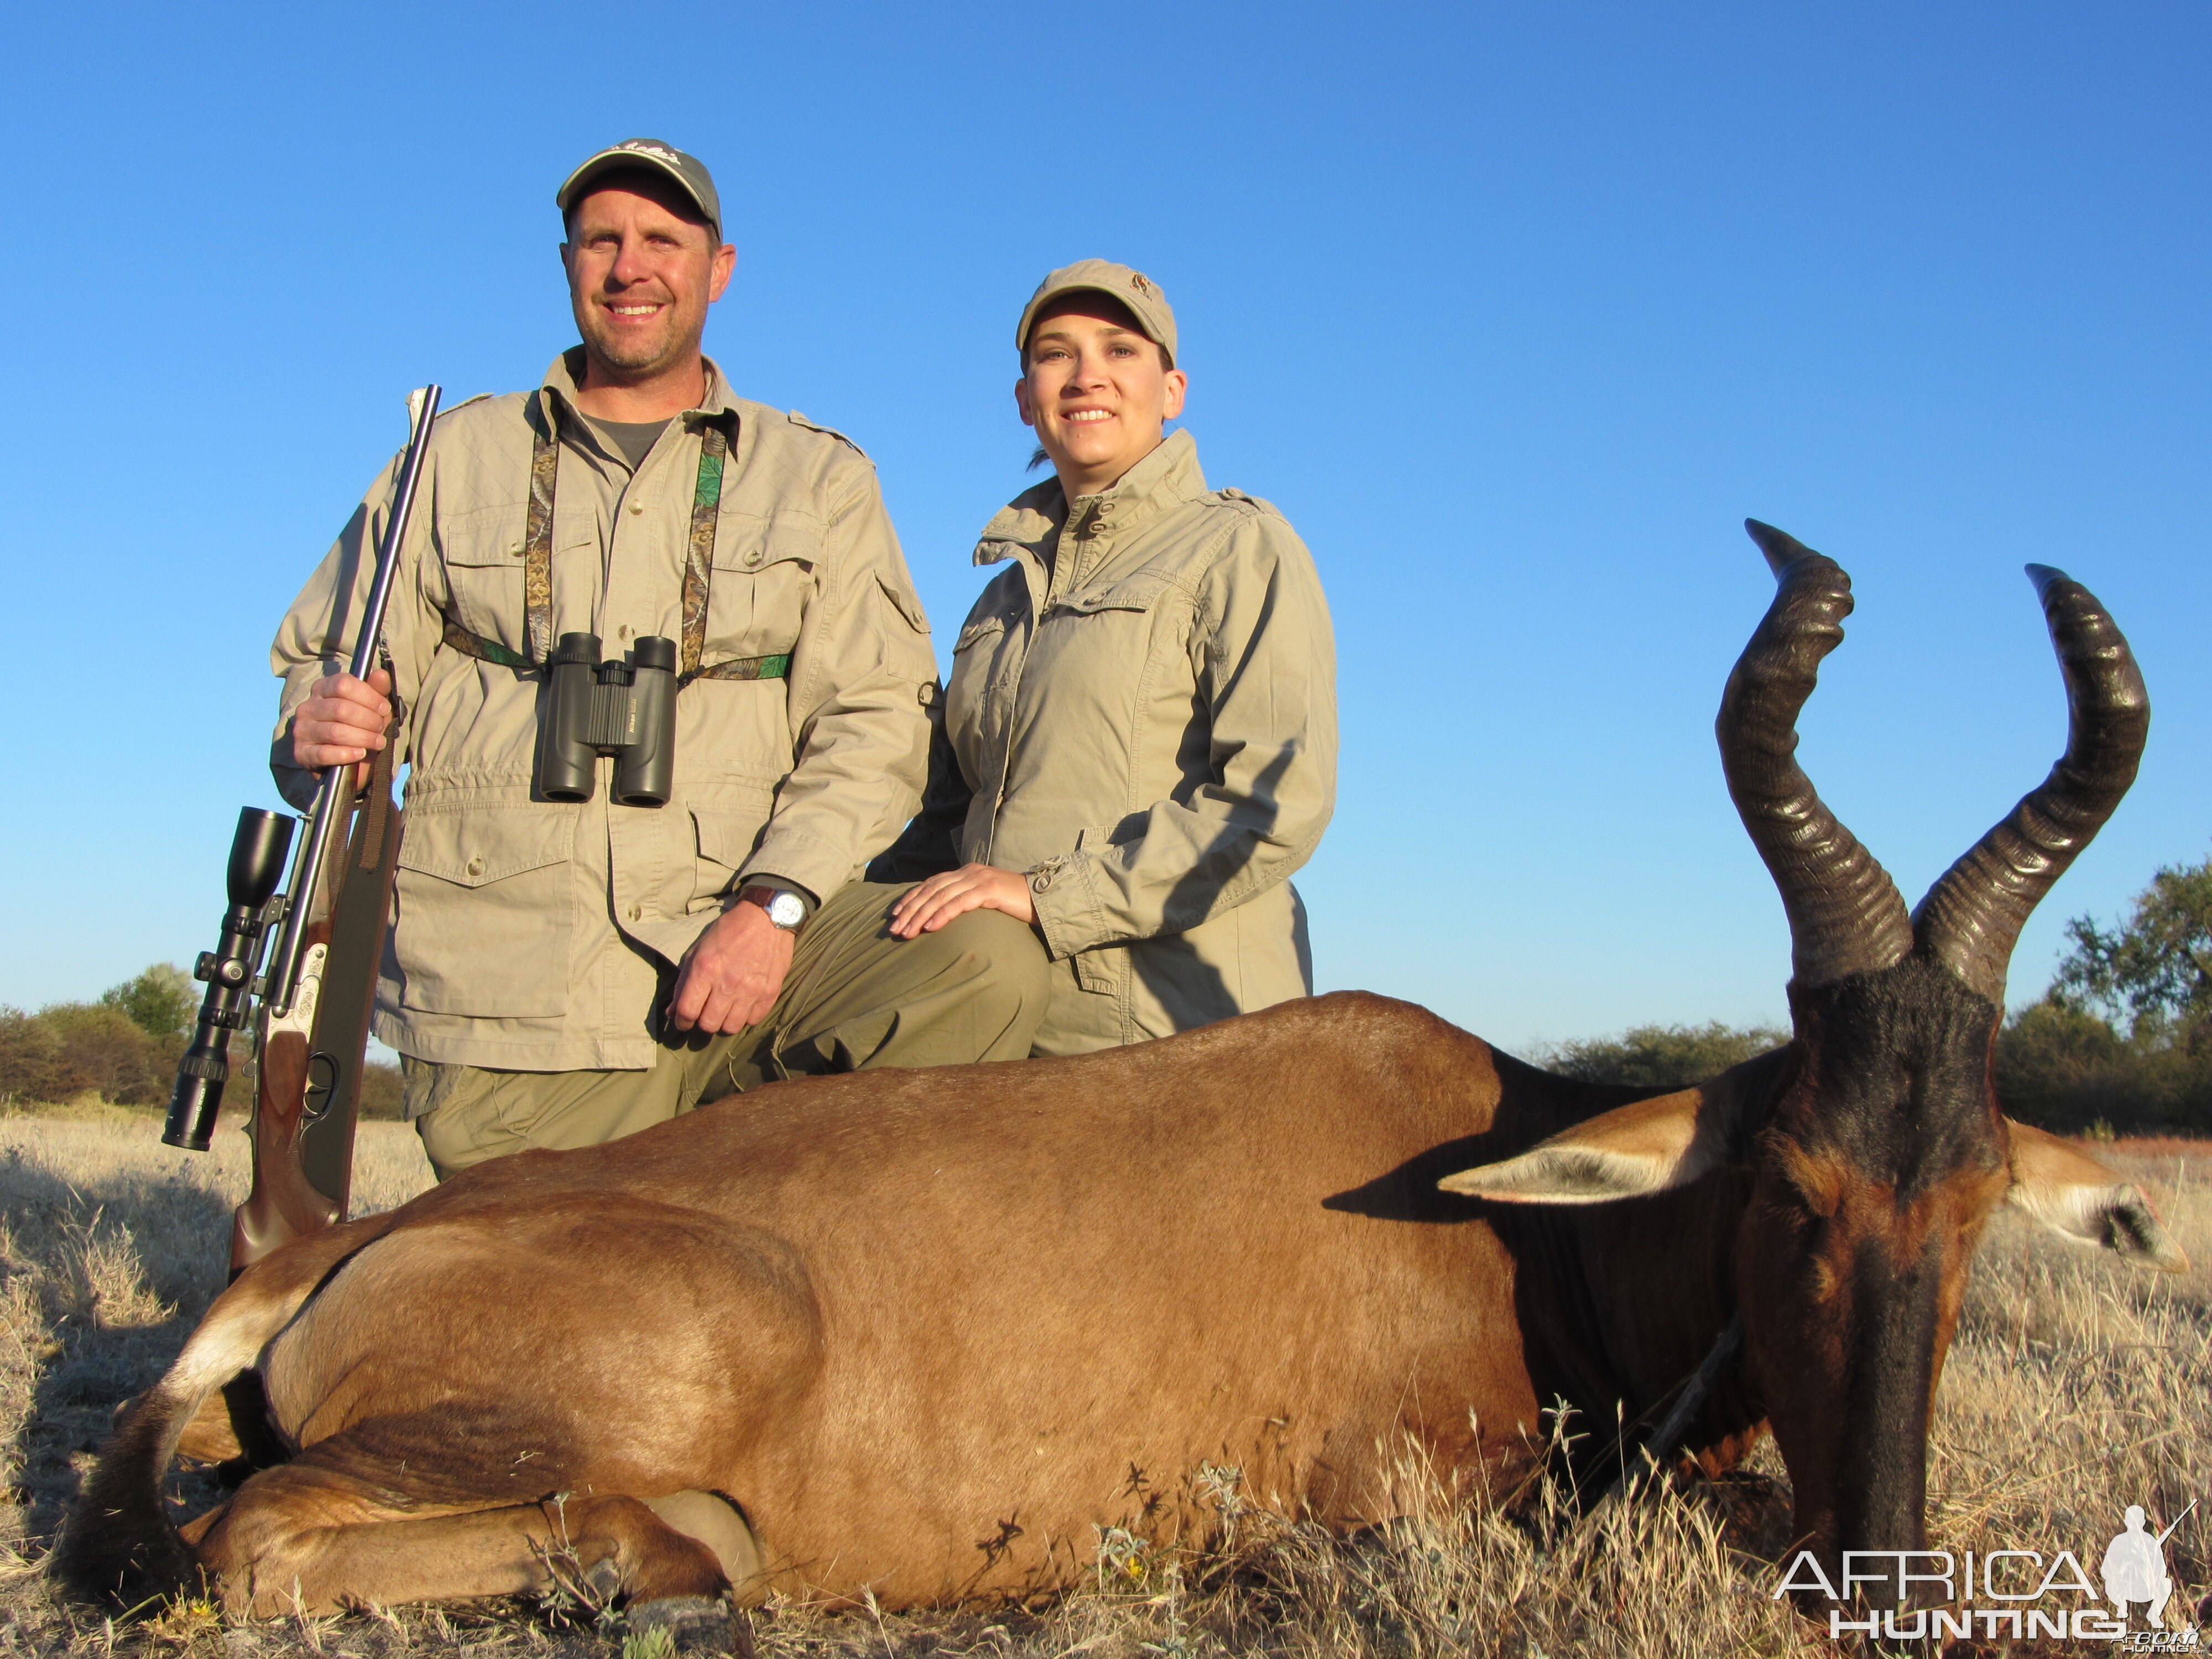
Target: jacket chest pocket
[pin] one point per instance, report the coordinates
(763, 580)
(485, 910)
(1095, 646)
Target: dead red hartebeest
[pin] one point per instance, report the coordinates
(918, 1332)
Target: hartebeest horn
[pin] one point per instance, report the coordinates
(1845, 915)
(1972, 916)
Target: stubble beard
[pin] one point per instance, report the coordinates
(639, 360)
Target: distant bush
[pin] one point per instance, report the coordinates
(30, 1052)
(160, 1002)
(71, 1049)
(2063, 1067)
(124, 1049)
(381, 1095)
(1662, 1057)
(2124, 1037)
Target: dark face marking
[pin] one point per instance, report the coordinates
(1897, 1081)
(1878, 1163)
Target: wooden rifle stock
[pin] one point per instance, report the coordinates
(307, 1094)
(281, 1205)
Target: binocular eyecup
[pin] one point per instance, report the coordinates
(626, 709)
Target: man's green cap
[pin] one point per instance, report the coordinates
(1132, 288)
(688, 171)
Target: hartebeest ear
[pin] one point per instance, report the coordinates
(1646, 1147)
(2076, 1196)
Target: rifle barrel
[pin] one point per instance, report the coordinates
(2177, 1520)
(334, 795)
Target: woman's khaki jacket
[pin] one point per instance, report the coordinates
(534, 934)
(1143, 710)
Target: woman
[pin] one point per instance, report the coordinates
(1143, 706)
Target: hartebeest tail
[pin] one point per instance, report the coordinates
(119, 1539)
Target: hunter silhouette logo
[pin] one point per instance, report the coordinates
(1993, 1594)
(2134, 1566)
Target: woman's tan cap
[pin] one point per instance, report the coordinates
(1132, 288)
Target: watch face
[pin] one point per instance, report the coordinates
(786, 910)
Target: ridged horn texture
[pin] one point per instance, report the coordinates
(1845, 915)
(1971, 917)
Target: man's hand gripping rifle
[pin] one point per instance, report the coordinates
(311, 1010)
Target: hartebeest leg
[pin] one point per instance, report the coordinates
(310, 1540)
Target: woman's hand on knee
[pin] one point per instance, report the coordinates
(928, 905)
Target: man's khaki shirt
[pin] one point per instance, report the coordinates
(1145, 708)
(531, 934)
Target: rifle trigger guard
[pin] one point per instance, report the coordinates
(323, 1069)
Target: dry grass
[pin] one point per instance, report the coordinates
(2076, 1387)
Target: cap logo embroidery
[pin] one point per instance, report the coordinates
(1139, 282)
(659, 151)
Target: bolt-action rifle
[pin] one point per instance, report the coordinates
(310, 1010)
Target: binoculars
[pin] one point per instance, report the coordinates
(625, 709)
(230, 973)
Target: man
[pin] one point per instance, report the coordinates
(563, 973)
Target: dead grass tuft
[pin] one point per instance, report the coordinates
(2076, 1387)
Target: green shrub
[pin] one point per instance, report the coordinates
(380, 1094)
(1662, 1057)
(2063, 1067)
(2124, 1037)
(30, 1054)
(123, 1047)
(72, 1049)
(162, 1002)
(2156, 966)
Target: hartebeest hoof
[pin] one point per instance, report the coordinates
(695, 1624)
(713, 1521)
(623, 1549)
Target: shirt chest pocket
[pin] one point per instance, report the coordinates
(483, 555)
(763, 580)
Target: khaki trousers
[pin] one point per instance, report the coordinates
(855, 997)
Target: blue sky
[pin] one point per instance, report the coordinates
(1516, 311)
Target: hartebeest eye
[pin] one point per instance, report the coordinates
(1819, 1181)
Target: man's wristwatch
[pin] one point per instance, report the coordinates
(785, 908)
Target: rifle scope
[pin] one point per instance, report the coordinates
(257, 865)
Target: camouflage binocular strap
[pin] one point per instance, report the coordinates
(698, 572)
